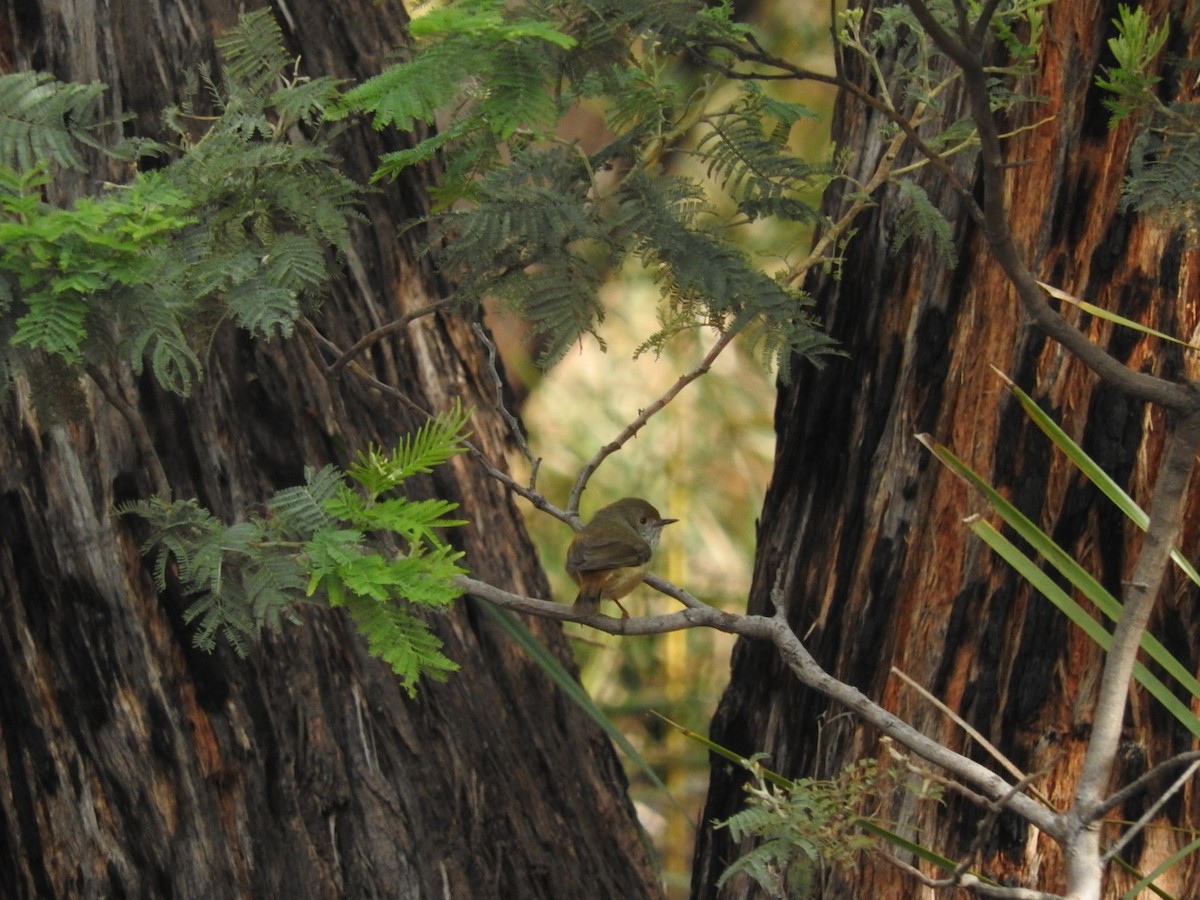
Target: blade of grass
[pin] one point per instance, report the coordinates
(1101, 313)
(525, 639)
(1088, 467)
(1162, 867)
(1032, 573)
(1061, 561)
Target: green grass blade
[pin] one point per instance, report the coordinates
(1109, 316)
(1088, 467)
(1162, 867)
(525, 639)
(1062, 562)
(1032, 573)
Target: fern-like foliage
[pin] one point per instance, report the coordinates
(238, 226)
(920, 217)
(747, 150)
(807, 826)
(61, 263)
(351, 538)
(539, 223)
(1164, 171)
(42, 120)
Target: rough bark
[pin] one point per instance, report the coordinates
(864, 533)
(135, 765)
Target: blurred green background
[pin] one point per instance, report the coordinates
(706, 460)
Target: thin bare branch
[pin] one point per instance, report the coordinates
(514, 426)
(986, 824)
(974, 733)
(970, 883)
(538, 500)
(777, 631)
(1136, 787)
(1149, 814)
(137, 430)
(373, 337)
(644, 416)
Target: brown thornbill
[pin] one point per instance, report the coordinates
(610, 556)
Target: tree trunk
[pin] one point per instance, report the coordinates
(135, 765)
(864, 534)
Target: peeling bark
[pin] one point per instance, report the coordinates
(135, 765)
(864, 534)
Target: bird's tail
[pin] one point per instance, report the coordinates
(587, 603)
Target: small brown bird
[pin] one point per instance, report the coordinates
(610, 557)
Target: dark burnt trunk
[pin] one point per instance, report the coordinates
(135, 765)
(863, 530)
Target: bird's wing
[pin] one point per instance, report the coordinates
(596, 556)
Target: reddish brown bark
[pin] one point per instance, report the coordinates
(863, 531)
(134, 765)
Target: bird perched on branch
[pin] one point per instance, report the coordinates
(611, 555)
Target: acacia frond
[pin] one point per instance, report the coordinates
(920, 217)
(42, 119)
(253, 51)
(323, 538)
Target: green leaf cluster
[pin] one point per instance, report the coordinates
(351, 538)
(43, 120)
(540, 222)
(1135, 48)
(804, 826)
(55, 264)
(1164, 168)
(919, 216)
(238, 225)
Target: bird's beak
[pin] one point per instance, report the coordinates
(661, 522)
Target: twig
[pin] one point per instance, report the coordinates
(538, 500)
(1120, 844)
(514, 426)
(372, 337)
(970, 883)
(1140, 784)
(966, 726)
(644, 416)
(986, 824)
(137, 427)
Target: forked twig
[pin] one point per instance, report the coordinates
(644, 416)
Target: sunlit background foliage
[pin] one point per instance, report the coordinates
(705, 460)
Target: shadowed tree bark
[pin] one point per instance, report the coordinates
(863, 532)
(135, 765)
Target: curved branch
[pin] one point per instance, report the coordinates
(373, 337)
(1179, 397)
(643, 417)
(137, 430)
(1144, 781)
(538, 500)
(776, 630)
(1151, 813)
